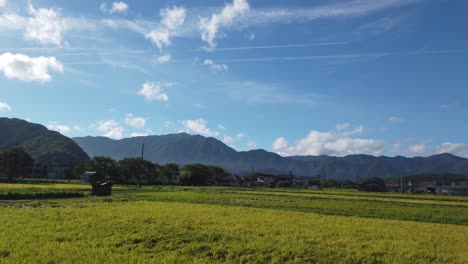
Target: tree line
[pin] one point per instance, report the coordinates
(17, 163)
(129, 171)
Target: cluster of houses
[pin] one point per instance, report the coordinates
(454, 187)
(267, 180)
(50, 171)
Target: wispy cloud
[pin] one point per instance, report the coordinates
(171, 20)
(227, 17)
(4, 107)
(153, 92)
(199, 126)
(280, 46)
(347, 9)
(215, 67)
(262, 93)
(350, 56)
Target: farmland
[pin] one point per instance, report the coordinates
(175, 224)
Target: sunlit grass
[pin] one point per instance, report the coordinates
(234, 225)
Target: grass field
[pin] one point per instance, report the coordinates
(218, 225)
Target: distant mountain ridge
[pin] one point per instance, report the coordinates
(45, 146)
(184, 148)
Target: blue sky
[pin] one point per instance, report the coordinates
(381, 77)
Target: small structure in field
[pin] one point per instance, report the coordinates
(102, 188)
(86, 177)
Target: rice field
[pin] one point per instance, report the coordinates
(232, 225)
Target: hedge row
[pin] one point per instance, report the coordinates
(46, 195)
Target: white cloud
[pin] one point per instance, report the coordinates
(240, 135)
(357, 131)
(215, 67)
(353, 8)
(163, 58)
(221, 127)
(422, 149)
(45, 25)
(338, 143)
(103, 7)
(251, 145)
(9, 21)
(199, 126)
(139, 134)
(265, 93)
(280, 144)
(153, 92)
(342, 127)
(111, 129)
(59, 128)
(168, 124)
(136, 122)
(228, 140)
(22, 67)
(171, 20)
(4, 107)
(136, 26)
(2, 3)
(453, 148)
(119, 7)
(394, 119)
(210, 27)
(418, 149)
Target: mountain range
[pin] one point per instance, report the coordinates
(50, 147)
(44, 146)
(184, 148)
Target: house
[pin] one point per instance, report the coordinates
(266, 180)
(230, 180)
(393, 187)
(373, 185)
(50, 171)
(428, 187)
(300, 182)
(281, 180)
(85, 177)
(456, 187)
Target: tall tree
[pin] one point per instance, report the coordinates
(16, 163)
(199, 174)
(105, 167)
(170, 172)
(129, 169)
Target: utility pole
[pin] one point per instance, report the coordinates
(321, 178)
(141, 165)
(401, 183)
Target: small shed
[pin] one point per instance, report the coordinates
(102, 188)
(85, 178)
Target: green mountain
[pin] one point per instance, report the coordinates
(184, 148)
(45, 146)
